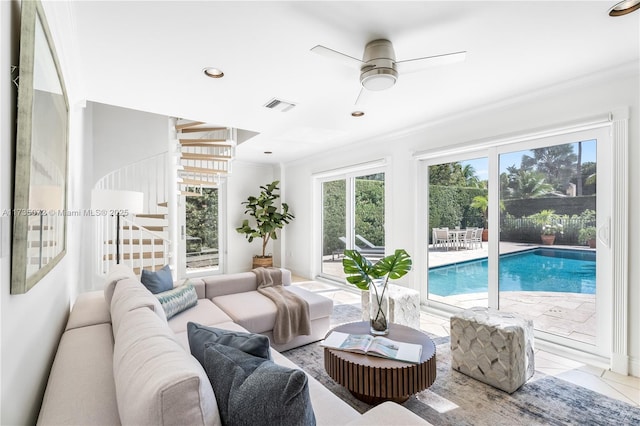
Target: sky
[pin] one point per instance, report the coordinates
(481, 165)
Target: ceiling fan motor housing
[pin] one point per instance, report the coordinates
(380, 72)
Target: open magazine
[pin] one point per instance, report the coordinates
(377, 346)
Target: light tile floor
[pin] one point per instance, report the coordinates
(623, 388)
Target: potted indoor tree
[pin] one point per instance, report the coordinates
(267, 220)
(375, 278)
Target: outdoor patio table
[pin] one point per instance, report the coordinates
(454, 236)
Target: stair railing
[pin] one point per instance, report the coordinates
(148, 176)
(138, 247)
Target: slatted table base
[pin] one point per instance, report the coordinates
(374, 380)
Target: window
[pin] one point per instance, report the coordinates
(352, 217)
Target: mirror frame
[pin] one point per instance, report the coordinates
(22, 278)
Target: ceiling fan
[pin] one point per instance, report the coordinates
(379, 69)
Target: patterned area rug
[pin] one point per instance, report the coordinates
(455, 399)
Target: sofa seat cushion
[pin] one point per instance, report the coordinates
(81, 389)
(257, 313)
(157, 382)
(252, 390)
(205, 312)
(89, 309)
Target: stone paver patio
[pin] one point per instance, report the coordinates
(570, 315)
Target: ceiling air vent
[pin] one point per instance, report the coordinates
(279, 105)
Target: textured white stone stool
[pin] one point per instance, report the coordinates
(492, 346)
(404, 306)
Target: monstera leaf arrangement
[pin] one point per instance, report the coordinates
(375, 278)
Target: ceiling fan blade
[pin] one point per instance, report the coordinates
(334, 54)
(364, 97)
(418, 64)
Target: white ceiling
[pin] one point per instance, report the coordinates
(150, 55)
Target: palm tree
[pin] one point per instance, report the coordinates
(529, 185)
(481, 202)
(470, 178)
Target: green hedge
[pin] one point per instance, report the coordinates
(369, 214)
(450, 206)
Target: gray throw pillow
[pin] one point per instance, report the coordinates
(254, 391)
(199, 336)
(158, 281)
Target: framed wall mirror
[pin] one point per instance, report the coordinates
(40, 197)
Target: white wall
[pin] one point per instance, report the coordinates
(123, 136)
(578, 100)
(245, 180)
(31, 323)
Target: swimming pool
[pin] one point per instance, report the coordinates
(540, 269)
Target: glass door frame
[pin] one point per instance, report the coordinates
(601, 352)
(222, 237)
(348, 174)
(603, 252)
(422, 260)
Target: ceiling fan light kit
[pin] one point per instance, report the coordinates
(624, 7)
(379, 69)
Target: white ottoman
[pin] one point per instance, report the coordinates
(492, 346)
(404, 306)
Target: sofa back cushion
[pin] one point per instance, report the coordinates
(221, 285)
(128, 295)
(116, 273)
(157, 382)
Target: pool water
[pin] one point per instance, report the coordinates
(541, 269)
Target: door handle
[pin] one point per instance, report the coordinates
(604, 233)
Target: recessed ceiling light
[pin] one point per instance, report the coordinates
(357, 113)
(213, 72)
(624, 7)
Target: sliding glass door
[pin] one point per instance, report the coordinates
(457, 249)
(550, 254)
(546, 205)
(353, 217)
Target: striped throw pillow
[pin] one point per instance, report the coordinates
(178, 299)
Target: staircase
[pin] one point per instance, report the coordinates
(202, 158)
(205, 154)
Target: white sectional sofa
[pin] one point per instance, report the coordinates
(120, 361)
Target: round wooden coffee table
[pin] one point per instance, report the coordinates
(373, 379)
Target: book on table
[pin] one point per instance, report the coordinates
(376, 346)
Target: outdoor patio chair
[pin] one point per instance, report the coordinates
(441, 237)
(465, 239)
(477, 237)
